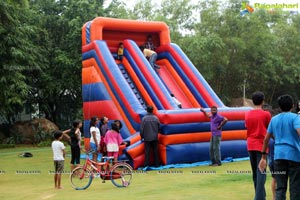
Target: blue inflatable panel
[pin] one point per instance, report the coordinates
(199, 127)
(94, 92)
(195, 152)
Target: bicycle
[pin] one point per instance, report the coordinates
(120, 173)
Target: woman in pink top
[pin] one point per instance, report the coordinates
(113, 140)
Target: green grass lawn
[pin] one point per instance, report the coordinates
(31, 178)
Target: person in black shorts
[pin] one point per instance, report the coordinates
(74, 136)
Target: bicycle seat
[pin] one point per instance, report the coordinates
(107, 157)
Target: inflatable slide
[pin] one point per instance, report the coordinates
(122, 89)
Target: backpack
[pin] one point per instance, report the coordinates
(26, 154)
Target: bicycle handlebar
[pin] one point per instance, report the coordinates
(91, 151)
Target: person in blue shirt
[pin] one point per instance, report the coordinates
(285, 129)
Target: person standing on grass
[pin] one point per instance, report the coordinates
(95, 137)
(103, 125)
(285, 129)
(113, 140)
(216, 123)
(268, 108)
(58, 149)
(256, 122)
(150, 126)
(103, 130)
(75, 137)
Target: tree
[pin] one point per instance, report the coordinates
(58, 87)
(40, 52)
(231, 50)
(19, 57)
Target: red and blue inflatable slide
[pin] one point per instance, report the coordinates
(122, 89)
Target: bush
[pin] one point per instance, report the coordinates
(5, 146)
(16, 138)
(43, 136)
(46, 143)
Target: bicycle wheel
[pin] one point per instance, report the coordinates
(121, 175)
(81, 178)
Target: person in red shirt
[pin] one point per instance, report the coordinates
(256, 122)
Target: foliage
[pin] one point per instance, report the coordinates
(232, 50)
(178, 14)
(41, 56)
(15, 138)
(46, 143)
(19, 56)
(42, 136)
(40, 49)
(58, 89)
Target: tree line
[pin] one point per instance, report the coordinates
(40, 49)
